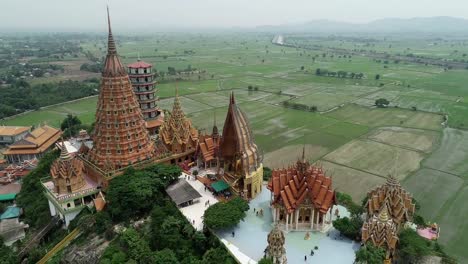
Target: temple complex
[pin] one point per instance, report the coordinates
(234, 153)
(33, 145)
(275, 249)
(120, 136)
(381, 231)
(142, 79)
(398, 202)
(178, 134)
(302, 197)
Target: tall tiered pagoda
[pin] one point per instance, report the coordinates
(142, 78)
(398, 201)
(178, 135)
(302, 197)
(120, 137)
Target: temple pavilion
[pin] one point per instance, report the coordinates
(302, 197)
(234, 154)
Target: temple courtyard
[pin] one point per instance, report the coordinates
(250, 235)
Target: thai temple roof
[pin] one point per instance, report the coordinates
(177, 130)
(381, 231)
(120, 137)
(398, 201)
(237, 140)
(293, 185)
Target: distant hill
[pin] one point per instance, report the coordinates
(441, 24)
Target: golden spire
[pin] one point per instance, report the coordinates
(383, 214)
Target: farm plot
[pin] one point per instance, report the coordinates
(377, 117)
(54, 115)
(454, 231)
(415, 139)
(324, 101)
(211, 99)
(432, 189)
(245, 95)
(376, 158)
(353, 182)
(288, 155)
(452, 155)
(188, 105)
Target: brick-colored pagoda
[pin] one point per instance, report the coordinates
(120, 137)
(142, 78)
(381, 231)
(301, 197)
(398, 201)
(67, 172)
(178, 135)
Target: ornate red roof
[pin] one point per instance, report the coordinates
(139, 64)
(294, 185)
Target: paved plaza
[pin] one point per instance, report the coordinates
(250, 236)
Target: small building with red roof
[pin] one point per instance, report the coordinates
(302, 197)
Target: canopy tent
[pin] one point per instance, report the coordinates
(11, 212)
(182, 193)
(7, 197)
(219, 186)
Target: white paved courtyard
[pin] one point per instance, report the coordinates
(250, 236)
(196, 210)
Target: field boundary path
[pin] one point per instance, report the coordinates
(60, 245)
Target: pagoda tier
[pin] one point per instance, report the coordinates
(177, 132)
(142, 78)
(120, 137)
(67, 172)
(398, 201)
(381, 231)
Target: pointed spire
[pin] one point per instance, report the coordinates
(64, 155)
(111, 48)
(231, 99)
(303, 153)
(215, 128)
(138, 57)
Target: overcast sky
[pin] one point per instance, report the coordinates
(129, 14)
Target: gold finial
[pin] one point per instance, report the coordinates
(383, 214)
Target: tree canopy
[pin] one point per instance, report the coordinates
(225, 215)
(370, 254)
(129, 198)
